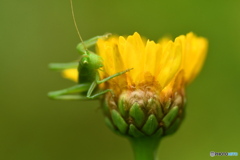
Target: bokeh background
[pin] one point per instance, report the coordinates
(35, 33)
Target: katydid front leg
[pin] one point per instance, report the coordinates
(97, 81)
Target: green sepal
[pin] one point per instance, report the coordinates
(105, 107)
(122, 107)
(168, 119)
(167, 105)
(151, 125)
(119, 121)
(133, 131)
(156, 106)
(158, 133)
(109, 123)
(173, 128)
(137, 114)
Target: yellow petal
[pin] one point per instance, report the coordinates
(169, 62)
(194, 53)
(71, 74)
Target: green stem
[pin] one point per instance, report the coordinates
(145, 148)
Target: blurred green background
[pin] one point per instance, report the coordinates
(35, 33)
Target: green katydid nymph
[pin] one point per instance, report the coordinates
(88, 76)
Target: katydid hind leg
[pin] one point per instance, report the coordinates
(74, 89)
(91, 89)
(71, 97)
(100, 93)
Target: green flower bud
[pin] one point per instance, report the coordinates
(142, 113)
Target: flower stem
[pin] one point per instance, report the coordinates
(145, 148)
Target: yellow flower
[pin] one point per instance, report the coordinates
(154, 64)
(149, 100)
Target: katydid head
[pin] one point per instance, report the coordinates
(91, 61)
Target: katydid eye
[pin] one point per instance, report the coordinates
(84, 61)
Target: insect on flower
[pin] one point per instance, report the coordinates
(149, 102)
(88, 76)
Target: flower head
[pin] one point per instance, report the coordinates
(154, 90)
